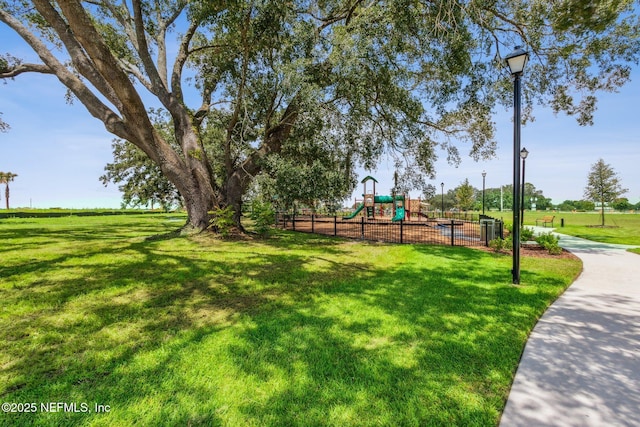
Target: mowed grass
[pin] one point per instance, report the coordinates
(295, 330)
(622, 228)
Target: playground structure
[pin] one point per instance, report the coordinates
(371, 200)
(404, 208)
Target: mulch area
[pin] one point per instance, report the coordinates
(534, 251)
(427, 232)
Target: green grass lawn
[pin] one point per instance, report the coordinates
(294, 330)
(620, 228)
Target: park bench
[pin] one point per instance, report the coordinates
(545, 220)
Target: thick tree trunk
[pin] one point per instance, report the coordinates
(240, 177)
(196, 182)
(199, 197)
(198, 206)
(233, 192)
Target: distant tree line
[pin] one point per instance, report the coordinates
(603, 190)
(466, 197)
(621, 204)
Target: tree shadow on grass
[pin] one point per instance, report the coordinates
(283, 332)
(428, 355)
(81, 314)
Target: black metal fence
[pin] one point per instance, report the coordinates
(435, 231)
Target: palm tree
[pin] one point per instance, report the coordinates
(6, 178)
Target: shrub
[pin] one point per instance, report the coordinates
(554, 250)
(547, 238)
(263, 217)
(508, 243)
(223, 220)
(499, 244)
(526, 234)
(549, 241)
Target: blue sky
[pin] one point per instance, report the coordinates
(59, 151)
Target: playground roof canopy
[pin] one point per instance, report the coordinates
(368, 178)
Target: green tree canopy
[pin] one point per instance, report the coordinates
(140, 180)
(465, 195)
(359, 78)
(497, 197)
(622, 204)
(577, 205)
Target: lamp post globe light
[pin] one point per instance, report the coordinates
(484, 175)
(523, 155)
(442, 188)
(516, 61)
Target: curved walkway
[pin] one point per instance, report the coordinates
(581, 364)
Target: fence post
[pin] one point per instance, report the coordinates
(362, 227)
(313, 223)
(401, 230)
(452, 233)
(293, 221)
(486, 232)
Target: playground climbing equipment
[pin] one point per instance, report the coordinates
(371, 200)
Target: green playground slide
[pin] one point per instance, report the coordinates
(356, 212)
(381, 199)
(399, 214)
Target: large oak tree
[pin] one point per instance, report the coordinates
(359, 78)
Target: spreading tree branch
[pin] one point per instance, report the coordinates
(94, 105)
(13, 71)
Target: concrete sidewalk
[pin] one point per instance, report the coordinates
(581, 364)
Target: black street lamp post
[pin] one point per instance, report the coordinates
(516, 61)
(523, 154)
(484, 175)
(442, 188)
